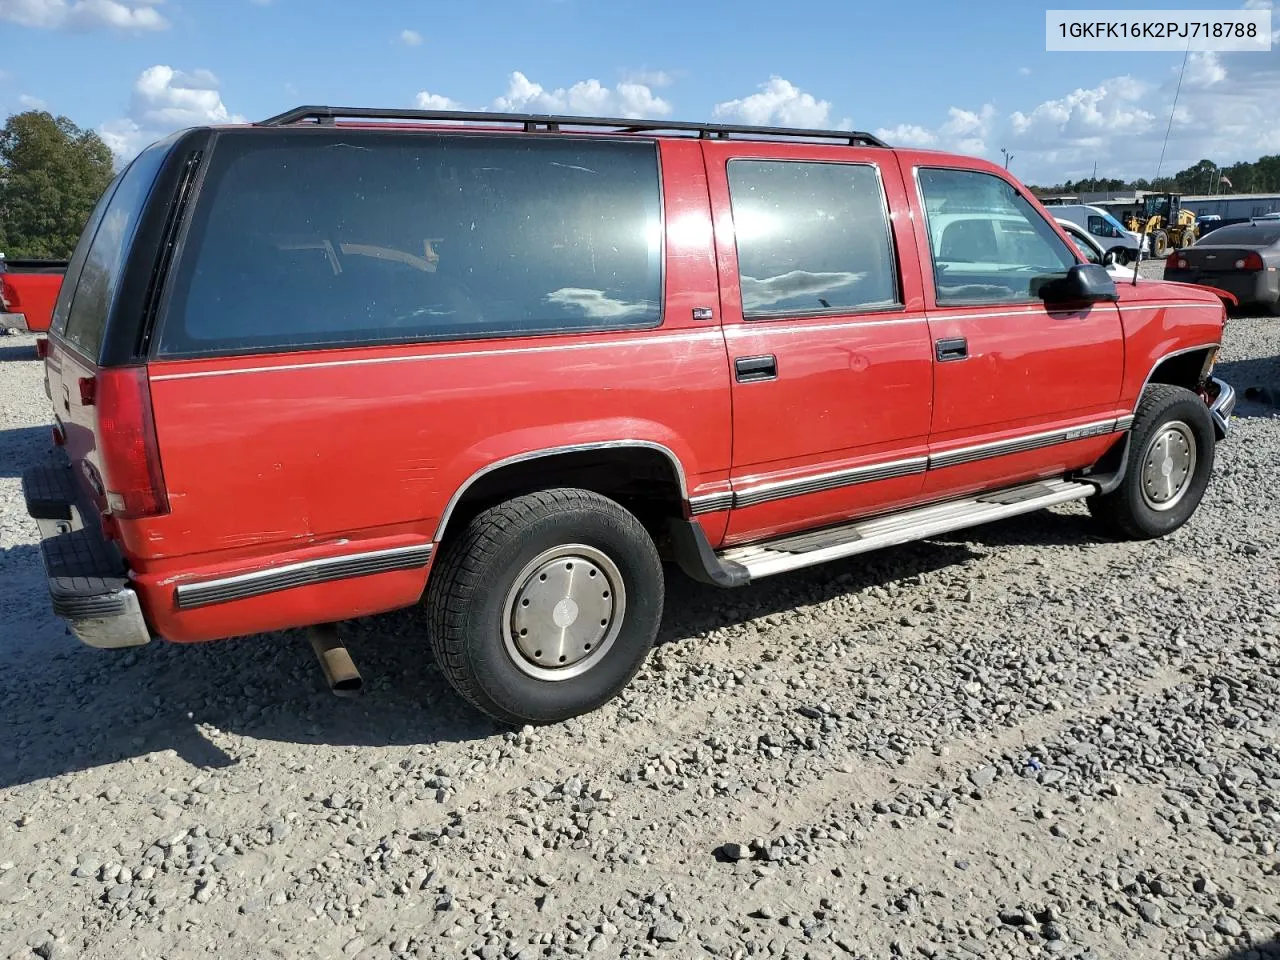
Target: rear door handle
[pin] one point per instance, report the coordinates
(953, 348)
(755, 369)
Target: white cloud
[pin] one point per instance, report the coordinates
(1024, 71)
(165, 100)
(778, 103)
(587, 97)
(410, 38)
(964, 131)
(908, 135)
(28, 102)
(434, 101)
(85, 14)
(650, 78)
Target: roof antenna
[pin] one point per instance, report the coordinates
(1160, 164)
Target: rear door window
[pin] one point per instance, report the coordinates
(96, 267)
(318, 239)
(812, 238)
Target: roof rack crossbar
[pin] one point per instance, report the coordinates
(535, 122)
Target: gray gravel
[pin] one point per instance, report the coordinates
(1019, 741)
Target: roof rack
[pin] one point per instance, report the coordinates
(539, 122)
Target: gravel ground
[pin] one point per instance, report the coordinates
(1020, 741)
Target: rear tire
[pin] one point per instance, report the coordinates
(1170, 457)
(546, 605)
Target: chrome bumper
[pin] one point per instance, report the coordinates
(1222, 406)
(13, 321)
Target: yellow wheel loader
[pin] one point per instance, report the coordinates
(1165, 223)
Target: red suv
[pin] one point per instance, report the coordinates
(349, 360)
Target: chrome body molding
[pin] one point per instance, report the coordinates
(751, 496)
(710, 503)
(273, 579)
(1032, 441)
(554, 451)
(816, 483)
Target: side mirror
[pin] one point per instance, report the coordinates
(1084, 283)
(1111, 258)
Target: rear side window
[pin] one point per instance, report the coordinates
(329, 239)
(812, 238)
(95, 269)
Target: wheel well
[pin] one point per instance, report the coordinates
(1183, 370)
(642, 479)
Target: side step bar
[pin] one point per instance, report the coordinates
(863, 536)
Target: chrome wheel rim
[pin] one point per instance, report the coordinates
(563, 612)
(1168, 465)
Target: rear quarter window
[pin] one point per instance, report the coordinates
(94, 272)
(319, 239)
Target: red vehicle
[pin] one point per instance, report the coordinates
(28, 290)
(347, 361)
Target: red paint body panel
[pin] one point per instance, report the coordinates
(338, 448)
(852, 388)
(275, 459)
(33, 295)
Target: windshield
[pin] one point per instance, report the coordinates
(1115, 224)
(1248, 234)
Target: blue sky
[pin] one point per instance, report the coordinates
(943, 74)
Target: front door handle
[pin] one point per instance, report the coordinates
(755, 369)
(953, 348)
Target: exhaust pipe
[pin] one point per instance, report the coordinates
(342, 676)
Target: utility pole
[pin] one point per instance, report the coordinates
(1007, 157)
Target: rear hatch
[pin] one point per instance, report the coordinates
(92, 376)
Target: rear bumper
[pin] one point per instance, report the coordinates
(1262, 286)
(89, 583)
(1222, 406)
(13, 321)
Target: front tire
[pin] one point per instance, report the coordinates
(1159, 245)
(1170, 457)
(546, 605)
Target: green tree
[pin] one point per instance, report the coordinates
(51, 175)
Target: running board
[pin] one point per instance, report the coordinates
(863, 536)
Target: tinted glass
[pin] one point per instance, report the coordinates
(811, 238)
(989, 244)
(1248, 234)
(62, 308)
(95, 288)
(320, 239)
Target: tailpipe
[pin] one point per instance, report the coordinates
(340, 673)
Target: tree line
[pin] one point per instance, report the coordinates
(51, 176)
(1206, 177)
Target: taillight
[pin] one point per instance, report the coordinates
(9, 298)
(1250, 261)
(129, 451)
(1175, 262)
(42, 347)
